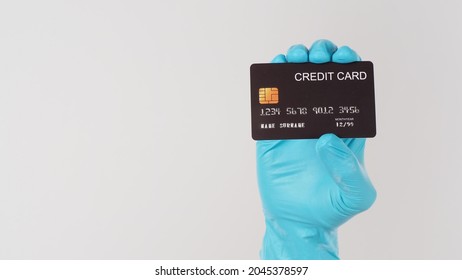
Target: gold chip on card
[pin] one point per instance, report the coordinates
(268, 95)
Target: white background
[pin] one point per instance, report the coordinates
(125, 125)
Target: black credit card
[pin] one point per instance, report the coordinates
(307, 100)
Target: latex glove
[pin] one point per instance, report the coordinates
(310, 187)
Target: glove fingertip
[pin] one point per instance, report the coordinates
(297, 54)
(327, 141)
(339, 160)
(345, 54)
(321, 51)
(280, 58)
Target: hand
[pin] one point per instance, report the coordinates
(310, 187)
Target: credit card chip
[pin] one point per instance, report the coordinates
(268, 95)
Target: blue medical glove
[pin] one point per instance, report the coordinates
(310, 187)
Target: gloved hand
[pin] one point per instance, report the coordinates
(310, 187)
